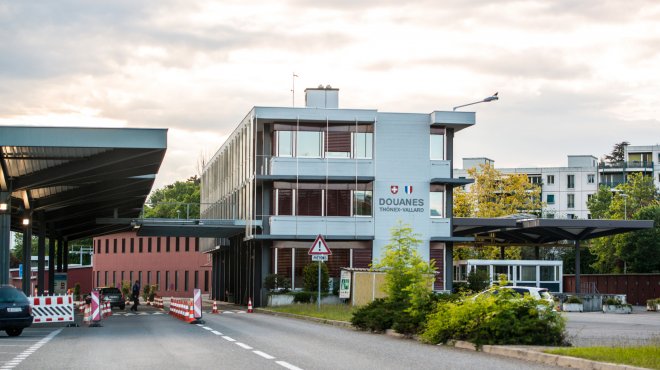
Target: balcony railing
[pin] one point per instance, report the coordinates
(291, 166)
(627, 164)
(313, 225)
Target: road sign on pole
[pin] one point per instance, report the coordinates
(320, 247)
(319, 257)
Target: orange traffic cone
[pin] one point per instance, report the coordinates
(215, 307)
(250, 305)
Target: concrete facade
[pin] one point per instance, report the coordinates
(347, 174)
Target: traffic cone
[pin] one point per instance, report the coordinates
(249, 305)
(215, 307)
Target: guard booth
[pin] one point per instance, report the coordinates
(534, 273)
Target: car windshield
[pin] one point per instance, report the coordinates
(11, 295)
(110, 291)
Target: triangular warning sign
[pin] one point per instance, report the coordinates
(320, 247)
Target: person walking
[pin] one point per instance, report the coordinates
(136, 295)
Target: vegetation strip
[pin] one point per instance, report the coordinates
(642, 356)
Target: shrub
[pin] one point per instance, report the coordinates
(377, 316)
(126, 289)
(498, 319)
(76, 291)
(573, 299)
(478, 280)
(611, 301)
(311, 277)
(274, 282)
(304, 297)
(146, 292)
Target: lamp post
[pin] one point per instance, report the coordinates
(486, 100)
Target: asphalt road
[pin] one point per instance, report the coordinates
(596, 328)
(230, 341)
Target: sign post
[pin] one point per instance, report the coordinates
(319, 252)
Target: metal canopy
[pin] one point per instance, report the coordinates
(541, 230)
(202, 228)
(70, 176)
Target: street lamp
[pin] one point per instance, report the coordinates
(486, 100)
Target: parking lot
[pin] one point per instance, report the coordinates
(597, 328)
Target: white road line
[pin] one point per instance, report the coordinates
(287, 365)
(206, 328)
(243, 345)
(200, 325)
(229, 338)
(216, 332)
(26, 353)
(264, 355)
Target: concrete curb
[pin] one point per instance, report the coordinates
(341, 324)
(529, 354)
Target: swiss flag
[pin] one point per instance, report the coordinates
(394, 189)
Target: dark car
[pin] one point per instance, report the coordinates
(109, 294)
(15, 310)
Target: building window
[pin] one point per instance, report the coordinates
(106, 278)
(308, 144)
(550, 199)
(437, 147)
(167, 280)
(123, 246)
(167, 244)
(571, 201)
(550, 215)
(589, 196)
(140, 276)
(132, 247)
(363, 145)
(196, 244)
(130, 274)
(98, 277)
(362, 202)
(122, 276)
(185, 281)
(550, 179)
(158, 244)
(591, 178)
(158, 279)
(284, 143)
(140, 243)
(535, 179)
(284, 202)
(176, 281)
(338, 203)
(309, 202)
(571, 181)
(588, 216)
(187, 244)
(570, 216)
(107, 246)
(114, 278)
(177, 243)
(206, 281)
(114, 247)
(196, 280)
(338, 144)
(148, 277)
(149, 242)
(437, 203)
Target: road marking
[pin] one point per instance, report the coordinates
(264, 355)
(216, 332)
(243, 345)
(23, 355)
(229, 338)
(207, 328)
(287, 365)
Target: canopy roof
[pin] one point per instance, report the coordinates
(67, 177)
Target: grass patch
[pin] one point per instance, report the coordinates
(340, 312)
(641, 356)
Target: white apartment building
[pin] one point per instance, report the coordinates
(644, 159)
(564, 190)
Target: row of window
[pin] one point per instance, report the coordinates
(570, 180)
(329, 202)
(122, 247)
(570, 199)
(330, 144)
(170, 285)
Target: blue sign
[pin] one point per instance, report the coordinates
(20, 270)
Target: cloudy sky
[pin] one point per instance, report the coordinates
(574, 77)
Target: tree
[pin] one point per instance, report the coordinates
(17, 252)
(618, 153)
(178, 200)
(642, 250)
(408, 278)
(614, 253)
(495, 194)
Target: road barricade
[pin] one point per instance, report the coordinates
(187, 309)
(107, 310)
(158, 302)
(52, 308)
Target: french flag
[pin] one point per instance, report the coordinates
(408, 189)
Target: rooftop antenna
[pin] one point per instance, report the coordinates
(293, 89)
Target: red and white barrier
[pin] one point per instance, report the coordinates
(158, 302)
(187, 309)
(107, 310)
(52, 309)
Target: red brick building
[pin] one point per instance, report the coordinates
(173, 263)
